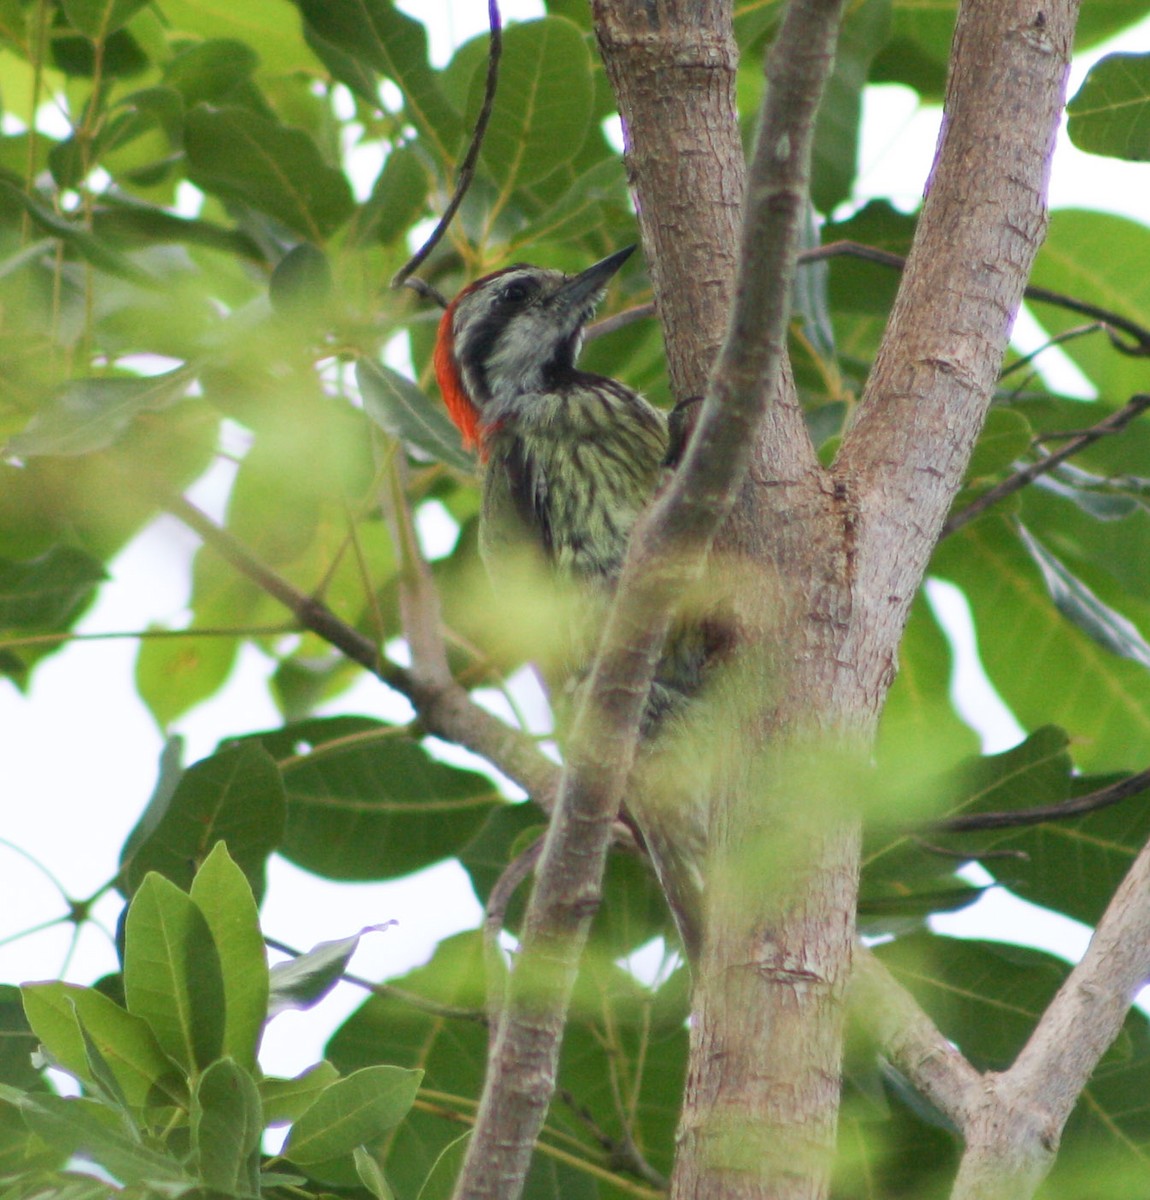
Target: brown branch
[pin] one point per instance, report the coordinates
(447, 710)
(517, 871)
(667, 549)
(467, 168)
(1014, 1131)
(1115, 422)
(1109, 319)
(1076, 806)
(911, 1040)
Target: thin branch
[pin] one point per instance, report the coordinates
(911, 1040)
(517, 872)
(1077, 806)
(418, 598)
(1115, 422)
(1109, 319)
(447, 711)
(667, 549)
(467, 168)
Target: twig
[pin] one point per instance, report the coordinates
(467, 168)
(517, 871)
(1076, 806)
(1115, 422)
(666, 550)
(1109, 319)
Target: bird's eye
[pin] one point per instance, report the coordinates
(516, 293)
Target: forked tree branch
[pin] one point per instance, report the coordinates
(444, 707)
(1013, 1131)
(666, 550)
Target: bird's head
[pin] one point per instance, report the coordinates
(513, 332)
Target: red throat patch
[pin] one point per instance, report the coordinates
(459, 405)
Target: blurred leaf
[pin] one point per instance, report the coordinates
(301, 282)
(172, 974)
(265, 24)
(48, 592)
(146, 1075)
(352, 1112)
(174, 673)
(1111, 112)
(210, 72)
(1079, 604)
(303, 981)
(227, 1125)
(241, 155)
(87, 245)
(375, 35)
(398, 198)
(1005, 437)
(89, 414)
(1046, 670)
(1097, 258)
(543, 105)
(96, 19)
(235, 796)
(865, 29)
(402, 411)
(223, 894)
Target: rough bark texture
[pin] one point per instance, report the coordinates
(835, 557)
(672, 65)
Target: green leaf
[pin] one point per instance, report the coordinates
(143, 1072)
(174, 674)
(172, 974)
(89, 246)
(285, 1100)
(50, 591)
(375, 35)
(303, 981)
(88, 1127)
(402, 411)
(224, 896)
(96, 19)
(352, 1112)
(1097, 258)
(1111, 112)
(89, 414)
(240, 155)
(363, 803)
(211, 71)
(1004, 439)
(835, 156)
(227, 1125)
(1046, 669)
(543, 105)
(301, 283)
(440, 1181)
(235, 796)
(371, 1175)
(397, 198)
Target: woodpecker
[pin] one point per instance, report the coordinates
(570, 460)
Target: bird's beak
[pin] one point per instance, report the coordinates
(584, 288)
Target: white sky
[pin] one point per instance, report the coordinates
(79, 752)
